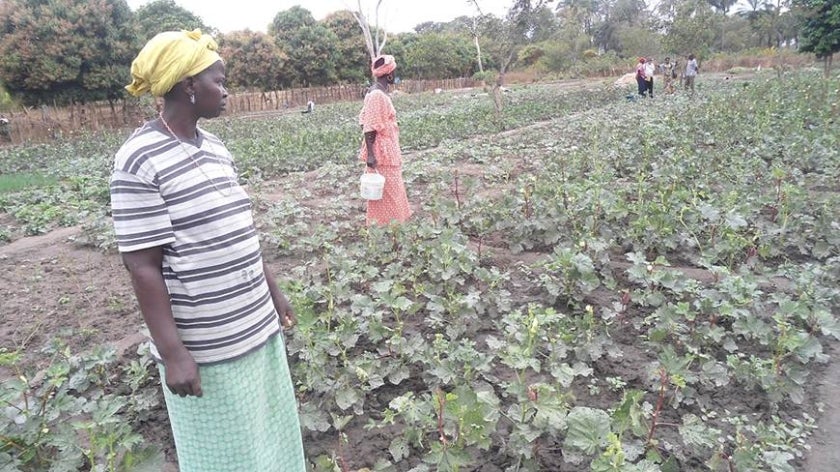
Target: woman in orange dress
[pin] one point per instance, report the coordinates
(381, 146)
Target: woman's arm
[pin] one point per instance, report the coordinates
(370, 138)
(281, 303)
(144, 266)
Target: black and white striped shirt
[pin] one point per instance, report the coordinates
(163, 194)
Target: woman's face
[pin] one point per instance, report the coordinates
(210, 92)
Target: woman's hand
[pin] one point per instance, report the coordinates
(371, 160)
(285, 311)
(182, 377)
(281, 303)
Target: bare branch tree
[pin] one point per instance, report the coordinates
(474, 31)
(374, 46)
(509, 35)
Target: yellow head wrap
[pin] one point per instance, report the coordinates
(169, 58)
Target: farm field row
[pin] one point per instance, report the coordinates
(589, 283)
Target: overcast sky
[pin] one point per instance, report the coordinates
(396, 16)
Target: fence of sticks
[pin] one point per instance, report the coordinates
(50, 123)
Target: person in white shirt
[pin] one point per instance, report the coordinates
(650, 69)
(691, 69)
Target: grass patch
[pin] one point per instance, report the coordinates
(17, 182)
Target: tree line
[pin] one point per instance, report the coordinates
(76, 51)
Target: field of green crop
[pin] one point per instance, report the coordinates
(588, 283)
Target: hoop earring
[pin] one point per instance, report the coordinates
(192, 98)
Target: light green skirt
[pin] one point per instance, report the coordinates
(246, 420)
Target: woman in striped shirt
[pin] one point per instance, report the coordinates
(186, 235)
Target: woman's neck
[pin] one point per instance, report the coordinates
(381, 84)
(184, 128)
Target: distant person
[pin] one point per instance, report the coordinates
(640, 76)
(678, 75)
(380, 148)
(185, 231)
(5, 132)
(650, 70)
(669, 73)
(691, 70)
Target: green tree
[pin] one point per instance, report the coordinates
(510, 34)
(313, 56)
(723, 7)
(253, 60)
(165, 15)
(691, 29)
(353, 62)
(438, 56)
(757, 13)
(620, 19)
(630, 40)
(820, 32)
(66, 51)
(575, 34)
(287, 22)
(311, 47)
(578, 17)
(544, 25)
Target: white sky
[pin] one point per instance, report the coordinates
(396, 16)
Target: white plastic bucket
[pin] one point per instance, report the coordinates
(371, 185)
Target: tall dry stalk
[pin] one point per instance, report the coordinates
(374, 46)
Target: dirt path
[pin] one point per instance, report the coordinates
(825, 444)
(33, 243)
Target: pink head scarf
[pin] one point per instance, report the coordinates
(389, 66)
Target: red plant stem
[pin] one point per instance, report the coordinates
(729, 463)
(457, 192)
(441, 404)
(660, 402)
(342, 463)
(528, 210)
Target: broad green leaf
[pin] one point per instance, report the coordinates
(149, 459)
(628, 415)
(313, 418)
(346, 397)
(735, 221)
(828, 323)
(587, 429)
(779, 461)
(340, 421)
(399, 374)
(399, 448)
(447, 458)
(697, 434)
(564, 373)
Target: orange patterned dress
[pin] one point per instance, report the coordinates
(378, 115)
